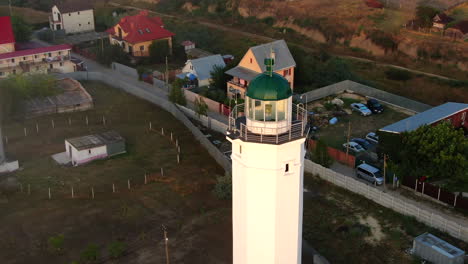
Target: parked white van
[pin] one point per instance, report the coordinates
(369, 173)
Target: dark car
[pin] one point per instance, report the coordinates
(374, 106)
(364, 143)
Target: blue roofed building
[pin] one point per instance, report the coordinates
(456, 113)
(199, 70)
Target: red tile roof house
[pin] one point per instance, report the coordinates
(40, 60)
(136, 33)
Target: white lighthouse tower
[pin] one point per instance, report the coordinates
(267, 136)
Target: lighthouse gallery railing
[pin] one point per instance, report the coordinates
(272, 135)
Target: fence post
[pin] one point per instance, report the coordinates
(87, 121)
(177, 142)
(128, 183)
(455, 201)
(69, 121)
(53, 124)
(37, 128)
(416, 186)
(162, 172)
(113, 187)
(438, 195)
(25, 132)
(423, 187)
(162, 131)
(103, 120)
(73, 193)
(92, 192)
(50, 195)
(6, 140)
(145, 178)
(150, 125)
(171, 136)
(178, 149)
(178, 159)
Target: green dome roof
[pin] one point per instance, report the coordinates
(269, 88)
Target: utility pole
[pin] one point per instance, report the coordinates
(385, 169)
(347, 142)
(166, 241)
(167, 74)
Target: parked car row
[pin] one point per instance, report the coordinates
(372, 106)
(357, 145)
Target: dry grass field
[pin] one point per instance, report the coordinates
(181, 199)
(30, 15)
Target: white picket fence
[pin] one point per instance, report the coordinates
(455, 227)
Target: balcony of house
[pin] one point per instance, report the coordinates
(56, 58)
(236, 88)
(268, 127)
(55, 21)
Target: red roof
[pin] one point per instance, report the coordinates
(34, 51)
(374, 3)
(6, 30)
(142, 28)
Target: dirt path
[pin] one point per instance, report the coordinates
(265, 38)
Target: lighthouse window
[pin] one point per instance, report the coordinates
(281, 109)
(270, 111)
(259, 114)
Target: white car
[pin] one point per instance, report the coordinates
(373, 138)
(354, 147)
(361, 108)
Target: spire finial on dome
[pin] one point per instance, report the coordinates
(270, 62)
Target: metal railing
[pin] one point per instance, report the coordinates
(270, 135)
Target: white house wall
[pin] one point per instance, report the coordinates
(76, 22)
(83, 156)
(267, 202)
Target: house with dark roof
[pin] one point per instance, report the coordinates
(7, 39)
(50, 59)
(440, 21)
(201, 68)
(458, 31)
(136, 33)
(253, 64)
(72, 16)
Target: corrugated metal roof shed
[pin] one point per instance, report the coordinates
(425, 118)
(96, 140)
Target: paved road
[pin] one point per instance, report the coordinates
(265, 38)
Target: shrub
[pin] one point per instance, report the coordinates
(321, 155)
(159, 50)
(56, 242)
(176, 94)
(223, 187)
(201, 108)
(398, 75)
(91, 253)
(116, 249)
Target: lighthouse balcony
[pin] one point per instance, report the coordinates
(276, 128)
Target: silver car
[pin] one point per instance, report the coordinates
(361, 108)
(373, 138)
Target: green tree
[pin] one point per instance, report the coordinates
(111, 53)
(201, 108)
(56, 242)
(91, 253)
(439, 152)
(425, 14)
(321, 155)
(158, 50)
(21, 29)
(116, 249)
(218, 78)
(223, 187)
(176, 94)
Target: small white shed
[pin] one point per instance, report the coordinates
(85, 149)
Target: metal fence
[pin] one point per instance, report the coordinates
(436, 192)
(385, 97)
(456, 227)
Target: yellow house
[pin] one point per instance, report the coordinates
(253, 64)
(136, 33)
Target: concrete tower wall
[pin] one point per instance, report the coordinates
(267, 202)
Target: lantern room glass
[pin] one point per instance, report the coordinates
(267, 111)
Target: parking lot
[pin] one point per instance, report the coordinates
(359, 126)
